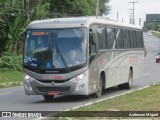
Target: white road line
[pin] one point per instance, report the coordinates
(96, 101)
(5, 93)
(147, 74)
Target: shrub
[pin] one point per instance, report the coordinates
(145, 51)
(9, 61)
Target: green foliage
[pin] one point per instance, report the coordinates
(103, 8)
(14, 29)
(61, 8)
(10, 79)
(12, 21)
(41, 11)
(153, 26)
(139, 100)
(156, 34)
(9, 61)
(145, 51)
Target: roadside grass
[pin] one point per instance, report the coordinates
(10, 79)
(140, 100)
(156, 34)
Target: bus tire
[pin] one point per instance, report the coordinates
(121, 87)
(99, 92)
(48, 97)
(127, 85)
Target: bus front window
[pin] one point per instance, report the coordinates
(70, 45)
(59, 48)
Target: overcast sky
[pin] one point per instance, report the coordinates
(141, 8)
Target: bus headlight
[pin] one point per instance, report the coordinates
(27, 77)
(80, 77)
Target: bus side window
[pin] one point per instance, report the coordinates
(119, 38)
(110, 37)
(101, 36)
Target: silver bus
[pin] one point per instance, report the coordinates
(81, 56)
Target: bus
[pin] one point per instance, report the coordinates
(81, 56)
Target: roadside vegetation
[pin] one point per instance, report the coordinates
(156, 34)
(10, 70)
(151, 26)
(147, 99)
(145, 51)
(10, 79)
(140, 100)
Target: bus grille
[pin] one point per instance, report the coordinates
(56, 81)
(59, 89)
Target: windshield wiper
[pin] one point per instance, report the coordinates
(62, 58)
(60, 53)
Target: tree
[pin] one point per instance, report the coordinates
(103, 7)
(78, 7)
(40, 11)
(14, 20)
(152, 26)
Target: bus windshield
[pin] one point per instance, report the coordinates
(59, 48)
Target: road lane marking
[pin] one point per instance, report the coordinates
(5, 93)
(147, 74)
(101, 100)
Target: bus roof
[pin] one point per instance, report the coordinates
(73, 22)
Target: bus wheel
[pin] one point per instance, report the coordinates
(121, 87)
(127, 85)
(48, 97)
(99, 92)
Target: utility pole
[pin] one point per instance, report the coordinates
(97, 8)
(117, 16)
(130, 16)
(139, 21)
(133, 11)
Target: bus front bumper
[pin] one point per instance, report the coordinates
(74, 86)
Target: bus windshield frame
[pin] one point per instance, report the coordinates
(56, 48)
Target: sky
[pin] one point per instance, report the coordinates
(142, 8)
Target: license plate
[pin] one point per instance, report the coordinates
(53, 92)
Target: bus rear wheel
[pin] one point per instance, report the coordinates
(127, 85)
(48, 97)
(99, 92)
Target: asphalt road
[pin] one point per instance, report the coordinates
(14, 99)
